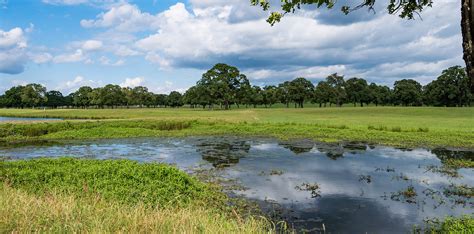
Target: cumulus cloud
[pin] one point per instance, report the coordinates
(77, 56)
(106, 61)
(40, 58)
(305, 45)
(92, 45)
(74, 84)
(312, 43)
(123, 17)
(133, 82)
(13, 55)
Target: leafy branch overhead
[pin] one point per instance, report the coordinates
(404, 8)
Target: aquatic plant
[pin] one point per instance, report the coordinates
(407, 195)
(314, 188)
(463, 224)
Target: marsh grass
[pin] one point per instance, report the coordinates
(117, 180)
(22, 212)
(462, 225)
(458, 163)
(396, 126)
(86, 195)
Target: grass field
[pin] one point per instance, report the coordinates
(79, 195)
(399, 126)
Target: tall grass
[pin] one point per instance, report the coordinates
(118, 180)
(85, 195)
(21, 212)
(406, 127)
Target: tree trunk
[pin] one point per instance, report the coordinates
(467, 26)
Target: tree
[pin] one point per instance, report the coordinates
(175, 99)
(269, 95)
(338, 91)
(256, 96)
(283, 93)
(322, 93)
(33, 95)
(82, 97)
(223, 82)
(12, 97)
(379, 94)
(301, 89)
(190, 97)
(407, 92)
(404, 8)
(357, 91)
(449, 89)
(55, 99)
(112, 95)
(135, 96)
(161, 100)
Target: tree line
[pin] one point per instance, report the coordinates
(223, 86)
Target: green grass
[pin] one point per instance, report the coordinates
(82, 195)
(119, 180)
(398, 126)
(462, 225)
(459, 163)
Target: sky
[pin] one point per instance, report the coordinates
(167, 45)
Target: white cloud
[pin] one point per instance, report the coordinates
(106, 61)
(124, 17)
(41, 57)
(92, 45)
(157, 59)
(124, 51)
(76, 83)
(77, 56)
(133, 82)
(13, 46)
(12, 38)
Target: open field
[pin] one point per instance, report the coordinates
(71, 195)
(398, 126)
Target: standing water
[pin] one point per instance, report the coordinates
(349, 188)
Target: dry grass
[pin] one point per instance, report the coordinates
(21, 212)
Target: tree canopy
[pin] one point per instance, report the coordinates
(224, 86)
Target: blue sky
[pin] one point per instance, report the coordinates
(167, 45)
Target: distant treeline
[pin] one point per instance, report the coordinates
(224, 86)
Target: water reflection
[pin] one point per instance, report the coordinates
(223, 153)
(349, 187)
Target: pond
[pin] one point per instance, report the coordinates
(25, 119)
(346, 187)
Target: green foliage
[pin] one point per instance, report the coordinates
(459, 163)
(405, 8)
(224, 86)
(300, 89)
(464, 224)
(357, 90)
(114, 180)
(338, 92)
(40, 129)
(55, 99)
(451, 88)
(407, 92)
(223, 83)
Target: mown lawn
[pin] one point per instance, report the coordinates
(399, 126)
